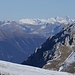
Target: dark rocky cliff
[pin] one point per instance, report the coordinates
(55, 50)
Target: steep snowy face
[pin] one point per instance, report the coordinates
(7, 68)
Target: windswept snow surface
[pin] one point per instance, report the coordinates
(7, 68)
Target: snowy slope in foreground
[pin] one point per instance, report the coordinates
(38, 21)
(7, 68)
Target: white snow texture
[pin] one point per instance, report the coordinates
(7, 68)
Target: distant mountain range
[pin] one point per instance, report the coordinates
(38, 21)
(44, 27)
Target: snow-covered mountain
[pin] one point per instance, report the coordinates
(7, 68)
(44, 27)
(58, 51)
(38, 21)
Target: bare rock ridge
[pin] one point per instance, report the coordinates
(55, 51)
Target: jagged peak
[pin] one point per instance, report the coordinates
(38, 21)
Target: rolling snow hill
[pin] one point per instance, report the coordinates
(7, 68)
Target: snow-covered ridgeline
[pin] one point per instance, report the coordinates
(45, 27)
(8, 68)
(38, 21)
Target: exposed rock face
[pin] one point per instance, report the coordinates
(73, 35)
(55, 50)
(67, 41)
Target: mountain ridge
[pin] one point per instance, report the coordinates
(58, 45)
(64, 20)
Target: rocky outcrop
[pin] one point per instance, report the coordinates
(55, 50)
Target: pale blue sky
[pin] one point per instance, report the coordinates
(18, 9)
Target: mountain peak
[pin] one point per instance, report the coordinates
(58, 19)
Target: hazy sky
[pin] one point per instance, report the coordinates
(18, 9)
